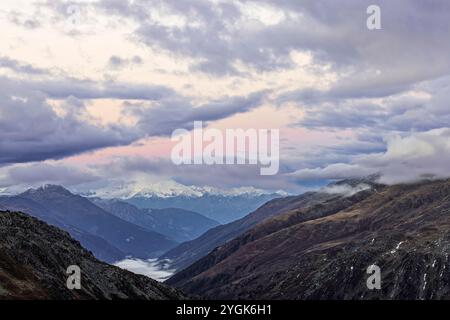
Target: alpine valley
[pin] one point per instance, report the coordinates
(317, 245)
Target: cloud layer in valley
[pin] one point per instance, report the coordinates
(149, 268)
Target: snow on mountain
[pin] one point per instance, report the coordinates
(170, 189)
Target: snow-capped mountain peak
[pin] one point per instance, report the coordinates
(170, 189)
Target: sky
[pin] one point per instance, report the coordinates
(91, 91)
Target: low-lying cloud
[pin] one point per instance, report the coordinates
(150, 268)
(345, 189)
(408, 158)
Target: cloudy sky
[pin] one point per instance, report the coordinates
(90, 91)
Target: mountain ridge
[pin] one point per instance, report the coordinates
(109, 237)
(34, 258)
(178, 224)
(402, 228)
(187, 253)
(221, 208)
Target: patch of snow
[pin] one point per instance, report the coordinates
(425, 281)
(397, 247)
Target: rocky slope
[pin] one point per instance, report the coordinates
(323, 252)
(34, 258)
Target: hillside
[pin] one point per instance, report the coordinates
(323, 252)
(34, 258)
(187, 253)
(107, 236)
(177, 224)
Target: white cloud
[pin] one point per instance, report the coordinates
(149, 268)
(345, 189)
(424, 155)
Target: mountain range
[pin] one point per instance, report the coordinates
(178, 224)
(223, 208)
(110, 238)
(188, 252)
(318, 245)
(323, 250)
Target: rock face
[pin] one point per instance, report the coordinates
(177, 224)
(34, 258)
(323, 252)
(108, 237)
(187, 253)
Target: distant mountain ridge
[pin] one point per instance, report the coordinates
(221, 208)
(172, 189)
(177, 224)
(109, 237)
(34, 258)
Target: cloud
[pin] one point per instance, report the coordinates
(33, 131)
(149, 268)
(362, 85)
(408, 158)
(24, 176)
(163, 117)
(117, 62)
(62, 88)
(29, 21)
(219, 35)
(21, 67)
(345, 189)
(423, 108)
(135, 169)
